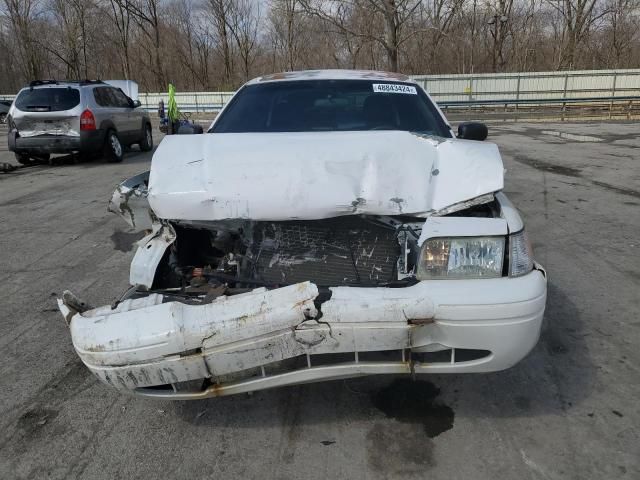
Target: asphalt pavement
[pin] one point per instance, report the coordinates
(570, 410)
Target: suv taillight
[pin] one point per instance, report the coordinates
(87, 120)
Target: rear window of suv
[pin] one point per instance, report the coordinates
(48, 99)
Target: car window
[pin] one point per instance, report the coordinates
(331, 105)
(103, 96)
(48, 99)
(120, 99)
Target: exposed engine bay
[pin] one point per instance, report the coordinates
(238, 255)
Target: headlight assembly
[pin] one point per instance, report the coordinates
(461, 257)
(474, 257)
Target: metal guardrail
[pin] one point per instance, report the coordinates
(474, 90)
(532, 85)
(629, 101)
(538, 101)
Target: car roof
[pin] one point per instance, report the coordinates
(36, 84)
(332, 75)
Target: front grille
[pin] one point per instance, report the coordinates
(348, 250)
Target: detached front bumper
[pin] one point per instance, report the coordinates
(264, 339)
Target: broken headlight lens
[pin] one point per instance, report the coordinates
(520, 254)
(462, 257)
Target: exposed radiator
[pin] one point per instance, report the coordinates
(347, 250)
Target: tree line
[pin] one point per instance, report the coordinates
(219, 44)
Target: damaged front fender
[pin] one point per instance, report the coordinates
(129, 201)
(149, 254)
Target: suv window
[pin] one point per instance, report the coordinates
(121, 100)
(110, 97)
(48, 99)
(102, 97)
(331, 105)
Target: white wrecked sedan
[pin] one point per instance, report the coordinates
(329, 225)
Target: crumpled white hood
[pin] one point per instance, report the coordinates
(287, 176)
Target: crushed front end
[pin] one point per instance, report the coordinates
(230, 306)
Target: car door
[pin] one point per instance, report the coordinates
(108, 109)
(131, 127)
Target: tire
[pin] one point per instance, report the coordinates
(113, 149)
(146, 144)
(23, 159)
(3, 118)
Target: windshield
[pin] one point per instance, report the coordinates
(48, 99)
(331, 105)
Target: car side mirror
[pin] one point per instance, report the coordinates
(473, 131)
(136, 104)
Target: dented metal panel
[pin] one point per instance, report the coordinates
(143, 342)
(129, 201)
(149, 253)
(331, 224)
(129, 335)
(317, 175)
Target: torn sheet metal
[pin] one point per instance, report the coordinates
(311, 338)
(149, 253)
(509, 212)
(129, 201)
(33, 125)
(350, 304)
(145, 342)
(458, 207)
(115, 337)
(318, 175)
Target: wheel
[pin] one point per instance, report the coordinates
(146, 144)
(3, 117)
(23, 159)
(113, 150)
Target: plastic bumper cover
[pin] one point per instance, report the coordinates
(234, 341)
(88, 141)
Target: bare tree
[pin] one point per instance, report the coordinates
(122, 21)
(286, 30)
(218, 44)
(146, 14)
(578, 17)
(70, 46)
(396, 15)
(623, 25)
(243, 23)
(22, 17)
(220, 11)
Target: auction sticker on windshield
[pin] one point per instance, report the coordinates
(394, 88)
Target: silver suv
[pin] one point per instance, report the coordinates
(87, 117)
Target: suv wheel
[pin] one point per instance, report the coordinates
(146, 143)
(113, 150)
